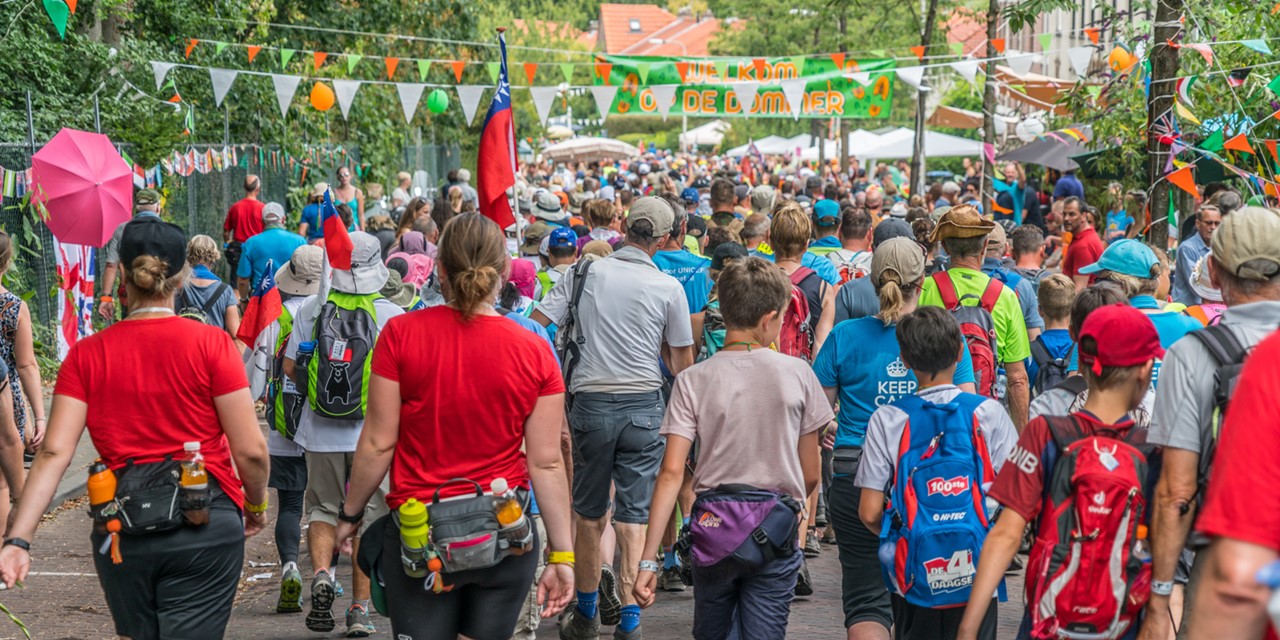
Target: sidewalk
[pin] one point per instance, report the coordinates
(74, 481)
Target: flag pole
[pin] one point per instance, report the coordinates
(515, 203)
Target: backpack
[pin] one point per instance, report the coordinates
(713, 330)
(338, 372)
(977, 327)
(1225, 347)
(845, 266)
(1083, 579)
(1051, 371)
(1009, 278)
(569, 336)
(937, 518)
(798, 320)
(188, 308)
(284, 399)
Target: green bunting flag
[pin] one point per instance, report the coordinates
(218, 47)
(495, 68)
(566, 68)
(423, 67)
(1214, 142)
(58, 12)
(1274, 85)
(285, 56)
(880, 53)
(798, 61)
(352, 60)
(1046, 40)
(722, 70)
(957, 48)
(642, 69)
(1173, 213)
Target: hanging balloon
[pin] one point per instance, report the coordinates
(438, 101)
(1029, 129)
(322, 96)
(1121, 59)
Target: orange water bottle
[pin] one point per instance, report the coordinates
(102, 490)
(195, 486)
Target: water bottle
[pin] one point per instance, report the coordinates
(303, 360)
(1269, 576)
(1000, 388)
(413, 538)
(515, 526)
(102, 494)
(1141, 546)
(195, 486)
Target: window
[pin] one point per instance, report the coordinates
(634, 25)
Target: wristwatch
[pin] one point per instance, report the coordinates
(342, 514)
(19, 543)
(1161, 588)
(650, 566)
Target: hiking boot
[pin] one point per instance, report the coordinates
(290, 592)
(320, 618)
(1015, 565)
(610, 603)
(634, 634)
(576, 627)
(812, 548)
(358, 623)
(804, 583)
(670, 580)
(685, 556)
(829, 535)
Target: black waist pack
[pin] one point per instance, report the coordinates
(148, 496)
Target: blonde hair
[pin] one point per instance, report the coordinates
(373, 190)
(203, 250)
(790, 231)
(150, 276)
(473, 253)
(6, 252)
(1056, 295)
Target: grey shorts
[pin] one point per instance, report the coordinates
(327, 476)
(615, 440)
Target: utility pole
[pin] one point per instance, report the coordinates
(843, 143)
(989, 108)
(1164, 67)
(929, 15)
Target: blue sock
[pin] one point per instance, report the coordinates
(630, 618)
(587, 603)
(684, 524)
(669, 559)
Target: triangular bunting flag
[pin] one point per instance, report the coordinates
(345, 90)
(746, 93)
(353, 59)
(458, 66)
(1183, 88)
(1257, 45)
(957, 48)
(469, 96)
(968, 69)
(604, 95)
(861, 77)
(191, 45)
(1093, 33)
(1185, 113)
(221, 79)
(1094, 91)
(1238, 142)
(423, 67)
(878, 53)
(913, 76)
(253, 50)
(838, 58)
(683, 69)
(1046, 41)
(1274, 85)
(722, 70)
(1205, 51)
(1020, 63)
(410, 93)
(642, 68)
(71, 4)
(793, 90)
(1185, 180)
(799, 62)
(543, 98)
(1080, 58)
(218, 47)
(1214, 142)
(161, 69)
(317, 59)
(285, 56)
(759, 65)
(998, 45)
(391, 64)
(494, 68)
(566, 70)
(1271, 146)
(664, 96)
(530, 71)
(919, 51)
(602, 71)
(285, 87)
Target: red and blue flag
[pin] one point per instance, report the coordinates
(264, 307)
(337, 242)
(496, 162)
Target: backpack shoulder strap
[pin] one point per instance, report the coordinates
(799, 275)
(213, 299)
(1039, 352)
(1064, 430)
(1073, 385)
(946, 289)
(1222, 343)
(991, 295)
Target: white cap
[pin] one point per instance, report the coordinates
(191, 446)
(499, 486)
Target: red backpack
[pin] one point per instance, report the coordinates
(797, 336)
(977, 327)
(1083, 579)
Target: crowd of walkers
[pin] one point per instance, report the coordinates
(678, 373)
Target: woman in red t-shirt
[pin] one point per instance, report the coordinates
(459, 391)
(143, 388)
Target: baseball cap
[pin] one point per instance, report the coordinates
(1128, 256)
(813, 182)
(762, 199)
(561, 237)
(696, 226)
(901, 256)
(272, 212)
(741, 191)
(146, 196)
(726, 251)
(889, 229)
(997, 239)
(656, 211)
(827, 213)
(150, 236)
(690, 196)
(1124, 337)
(1246, 242)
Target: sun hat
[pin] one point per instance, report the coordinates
(419, 267)
(1129, 257)
(547, 206)
(396, 291)
(523, 275)
(762, 199)
(300, 276)
(963, 221)
(656, 210)
(1201, 284)
(1247, 235)
(150, 236)
(902, 256)
(318, 190)
(367, 273)
(272, 213)
(898, 210)
(1124, 337)
(533, 236)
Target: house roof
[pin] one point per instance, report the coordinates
(629, 28)
(562, 30)
(969, 29)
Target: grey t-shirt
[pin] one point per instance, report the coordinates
(111, 252)
(628, 309)
(884, 432)
(193, 297)
(1184, 405)
(857, 299)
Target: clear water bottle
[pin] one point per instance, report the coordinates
(1269, 576)
(1142, 546)
(515, 525)
(1001, 386)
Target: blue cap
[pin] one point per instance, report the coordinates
(562, 237)
(1130, 257)
(689, 195)
(826, 210)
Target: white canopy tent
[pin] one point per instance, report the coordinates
(587, 149)
(900, 143)
(710, 134)
(767, 142)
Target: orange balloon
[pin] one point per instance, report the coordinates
(1121, 60)
(322, 96)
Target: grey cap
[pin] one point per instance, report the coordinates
(272, 212)
(762, 199)
(657, 211)
(888, 229)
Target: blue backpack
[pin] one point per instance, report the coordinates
(937, 518)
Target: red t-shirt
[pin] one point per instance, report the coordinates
(1021, 481)
(1083, 251)
(150, 386)
(466, 390)
(245, 219)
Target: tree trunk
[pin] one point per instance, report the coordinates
(1164, 66)
(815, 125)
(917, 157)
(844, 123)
(989, 110)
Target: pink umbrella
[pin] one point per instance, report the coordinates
(85, 185)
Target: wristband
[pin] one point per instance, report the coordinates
(19, 543)
(342, 514)
(257, 508)
(106, 299)
(650, 566)
(560, 557)
(1161, 588)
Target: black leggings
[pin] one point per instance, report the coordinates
(289, 524)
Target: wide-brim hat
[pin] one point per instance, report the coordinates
(396, 291)
(367, 273)
(1201, 284)
(547, 206)
(962, 221)
(300, 276)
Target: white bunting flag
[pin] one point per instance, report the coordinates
(664, 95)
(604, 95)
(1020, 62)
(968, 69)
(794, 92)
(161, 69)
(913, 76)
(345, 90)
(746, 92)
(1080, 57)
(469, 96)
(410, 94)
(543, 98)
(221, 79)
(861, 77)
(285, 87)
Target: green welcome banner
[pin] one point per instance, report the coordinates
(711, 88)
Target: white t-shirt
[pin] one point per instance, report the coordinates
(261, 361)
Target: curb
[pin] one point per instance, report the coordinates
(71, 492)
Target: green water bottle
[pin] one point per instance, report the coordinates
(413, 538)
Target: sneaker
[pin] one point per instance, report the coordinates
(576, 627)
(685, 556)
(670, 580)
(634, 634)
(812, 548)
(1015, 565)
(290, 592)
(610, 604)
(320, 618)
(358, 623)
(804, 583)
(829, 535)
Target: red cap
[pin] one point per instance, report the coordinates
(1125, 338)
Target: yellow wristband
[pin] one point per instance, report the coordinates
(257, 508)
(560, 557)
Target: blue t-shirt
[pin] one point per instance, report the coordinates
(274, 244)
(861, 359)
(1117, 222)
(825, 268)
(1171, 326)
(311, 218)
(691, 271)
(1057, 342)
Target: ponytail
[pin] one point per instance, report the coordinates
(892, 299)
(473, 256)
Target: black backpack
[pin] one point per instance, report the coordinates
(188, 308)
(1051, 371)
(1230, 355)
(569, 336)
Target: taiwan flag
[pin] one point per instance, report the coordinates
(496, 164)
(337, 242)
(264, 307)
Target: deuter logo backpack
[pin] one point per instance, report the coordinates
(797, 336)
(1082, 577)
(937, 518)
(284, 398)
(338, 373)
(977, 327)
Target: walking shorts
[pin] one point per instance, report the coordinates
(616, 442)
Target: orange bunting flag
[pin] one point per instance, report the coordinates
(919, 51)
(175, 99)
(391, 63)
(530, 70)
(71, 4)
(191, 45)
(1185, 180)
(999, 209)
(759, 65)
(458, 66)
(317, 59)
(603, 69)
(1093, 33)
(838, 58)
(1269, 188)
(683, 68)
(253, 51)
(1271, 146)
(998, 44)
(1238, 142)
(1275, 9)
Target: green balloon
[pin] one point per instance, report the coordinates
(438, 101)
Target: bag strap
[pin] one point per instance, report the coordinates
(1073, 385)
(946, 289)
(1222, 343)
(208, 304)
(800, 274)
(1040, 352)
(991, 295)
(1065, 430)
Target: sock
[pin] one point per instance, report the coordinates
(684, 524)
(669, 558)
(630, 618)
(587, 603)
